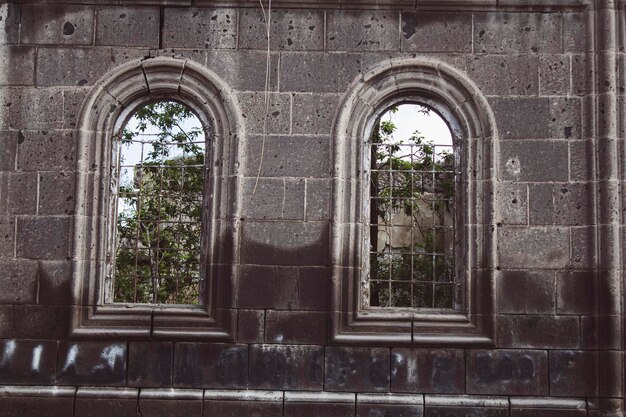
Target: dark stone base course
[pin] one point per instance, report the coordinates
(18, 401)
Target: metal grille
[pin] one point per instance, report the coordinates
(411, 230)
(159, 190)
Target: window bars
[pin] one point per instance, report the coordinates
(411, 224)
(158, 184)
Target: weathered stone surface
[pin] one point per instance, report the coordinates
(549, 332)
(554, 75)
(466, 411)
(295, 327)
(357, 369)
(436, 32)
(274, 199)
(37, 406)
(526, 292)
(210, 365)
(92, 363)
(314, 288)
(543, 412)
(268, 287)
(46, 151)
(27, 362)
(389, 410)
(541, 205)
(250, 326)
(505, 75)
(22, 192)
(314, 409)
(56, 193)
(285, 243)
(31, 108)
(504, 372)
(575, 292)
(200, 28)
(244, 70)
(503, 32)
(290, 30)
(288, 156)
(128, 26)
(362, 31)
(240, 408)
(314, 113)
(18, 281)
(513, 203)
(254, 110)
(318, 196)
(170, 408)
(71, 67)
(55, 279)
(573, 373)
(57, 24)
(283, 367)
(30, 231)
(534, 161)
(7, 236)
(532, 247)
(40, 322)
(6, 313)
(8, 150)
(428, 370)
(17, 65)
(150, 364)
(102, 406)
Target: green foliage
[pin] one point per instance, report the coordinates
(414, 178)
(159, 220)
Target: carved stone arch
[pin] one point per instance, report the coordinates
(107, 108)
(471, 121)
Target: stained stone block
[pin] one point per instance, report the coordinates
(22, 192)
(502, 32)
(41, 322)
(236, 407)
(428, 371)
(38, 403)
(200, 28)
(46, 151)
(296, 327)
(513, 203)
(6, 313)
(244, 70)
(210, 366)
(11, 14)
(128, 26)
(273, 199)
(290, 30)
(526, 292)
(541, 203)
(362, 31)
(17, 65)
(161, 403)
(18, 281)
(466, 411)
(250, 326)
(92, 363)
(507, 372)
(314, 288)
(436, 32)
(318, 197)
(505, 75)
(7, 236)
(267, 287)
(554, 75)
(56, 193)
(43, 237)
(27, 362)
(549, 332)
(31, 108)
(284, 367)
(534, 247)
(57, 24)
(98, 402)
(534, 161)
(150, 364)
(253, 110)
(314, 113)
(357, 369)
(55, 279)
(71, 67)
(8, 150)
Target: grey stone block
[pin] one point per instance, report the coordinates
(502, 32)
(200, 28)
(440, 371)
(314, 291)
(290, 30)
(314, 113)
(72, 102)
(541, 206)
(318, 196)
(512, 201)
(210, 365)
(46, 151)
(362, 31)
(250, 326)
(55, 283)
(43, 237)
(572, 204)
(554, 75)
(293, 209)
(5, 321)
(274, 199)
(253, 110)
(71, 67)
(244, 70)
(7, 236)
(11, 14)
(466, 411)
(296, 327)
(17, 65)
(538, 332)
(22, 193)
(285, 243)
(300, 156)
(436, 32)
(533, 247)
(18, 281)
(37, 406)
(357, 369)
(8, 150)
(278, 367)
(92, 363)
(31, 108)
(322, 72)
(56, 193)
(534, 161)
(128, 26)
(57, 24)
(575, 36)
(575, 290)
(507, 372)
(267, 287)
(27, 362)
(505, 74)
(41, 322)
(526, 292)
(583, 249)
(573, 373)
(580, 160)
(150, 364)
(582, 74)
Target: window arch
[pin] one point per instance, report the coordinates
(104, 113)
(469, 317)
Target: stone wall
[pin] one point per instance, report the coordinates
(551, 74)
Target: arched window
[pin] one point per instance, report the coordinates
(158, 178)
(411, 239)
(157, 207)
(412, 242)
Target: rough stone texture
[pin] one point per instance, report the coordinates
(545, 69)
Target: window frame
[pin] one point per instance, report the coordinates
(106, 109)
(467, 112)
